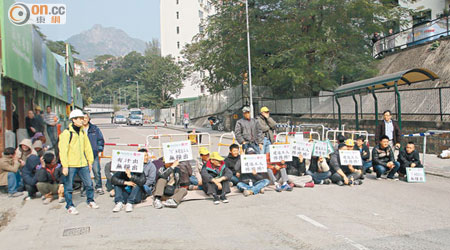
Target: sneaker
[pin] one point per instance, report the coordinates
(129, 208)
(100, 191)
(223, 198)
(309, 185)
(216, 200)
(16, 194)
(193, 187)
(378, 178)
(362, 177)
(93, 205)
(118, 207)
(47, 200)
(72, 210)
(278, 188)
(112, 193)
(321, 182)
(262, 190)
(61, 200)
(340, 183)
(248, 192)
(170, 203)
(327, 182)
(286, 187)
(358, 182)
(392, 178)
(157, 204)
(369, 171)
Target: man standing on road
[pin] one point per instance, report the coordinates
(248, 132)
(389, 128)
(75, 153)
(268, 126)
(97, 144)
(383, 159)
(51, 120)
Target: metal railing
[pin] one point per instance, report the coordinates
(416, 35)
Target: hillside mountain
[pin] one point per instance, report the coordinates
(101, 40)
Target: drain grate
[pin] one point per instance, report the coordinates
(76, 231)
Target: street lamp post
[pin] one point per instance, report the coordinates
(137, 92)
(249, 62)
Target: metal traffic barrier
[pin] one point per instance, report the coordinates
(185, 137)
(343, 132)
(424, 135)
(233, 141)
(287, 135)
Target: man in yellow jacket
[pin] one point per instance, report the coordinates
(75, 154)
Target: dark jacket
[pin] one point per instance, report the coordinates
(246, 178)
(96, 139)
(406, 159)
(165, 173)
(29, 170)
(231, 161)
(381, 130)
(33, 123)
(365, 149)
(119, 179)
(268, 127)
(185, 173)
(44, 174)
(248, 131)
(209, 172)
(335, 163)
(295, 167)
(382, 156)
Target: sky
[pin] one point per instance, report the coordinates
(138, 18)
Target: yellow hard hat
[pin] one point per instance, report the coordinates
(216, 156)
(349, 143)
(38, 107)
(203, 151)
(264, 109)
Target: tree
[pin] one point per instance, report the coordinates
(298, 47)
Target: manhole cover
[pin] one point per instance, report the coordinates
(76, 231)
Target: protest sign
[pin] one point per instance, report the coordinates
(122, 160)
(320, 149)
(350, 157)
(302, 148)
(179, 150)
(280, 153)
(415, 174)
(298, 136)
(250, 162)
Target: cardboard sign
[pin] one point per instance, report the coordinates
(320, 149)
(123, 160)
(330, 147)
(302, 148)
(250, 162)
(280, 153)
(298, 137)
(350, 157)
(179, 150)
(415, 175)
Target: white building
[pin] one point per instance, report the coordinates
(180, 21)
(427, 9)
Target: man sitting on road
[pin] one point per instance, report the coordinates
(278, 175)
(50, 179)
(383, 159)
(231, 161)
(216, 178)
(250, 183)
(29, 176)
(149, 172)
(196, 177)
(296, 173)
(365, 155)
(128, 189)
(409, 158)
(9, 173)
(168, 187)
(319, 170)
(344, 174)
(248, 132)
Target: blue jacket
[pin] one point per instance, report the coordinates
(29, 170)
(96, 139)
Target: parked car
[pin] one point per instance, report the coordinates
(135, 120)
(120, 119)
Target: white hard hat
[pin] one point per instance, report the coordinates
(76, 113)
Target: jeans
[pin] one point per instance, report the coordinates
(97, 173)
(193, 180)
(366, 165)
(234, 180)
(318, 177)
(266, 144)
(280, 177)
(381, 170)
(134, 197)
(252, 145)
(85, 176)
(14, 182)
(148, 189)
(51, 131)
(256, 188)
(109, 185)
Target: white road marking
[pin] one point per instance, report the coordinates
(309, 220)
